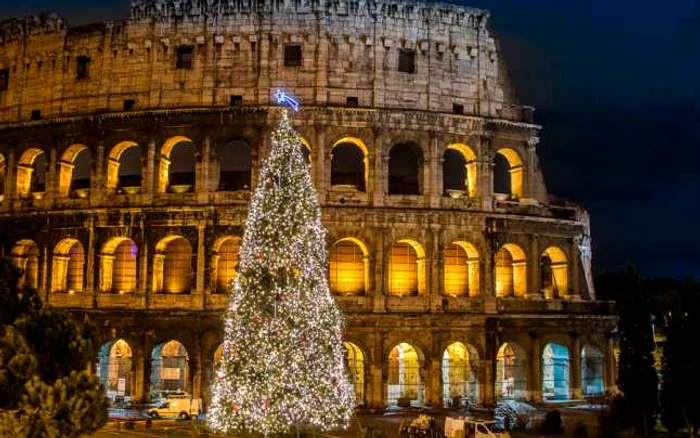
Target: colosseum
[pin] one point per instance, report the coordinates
(129, 149)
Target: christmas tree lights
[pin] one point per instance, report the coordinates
(283, 364)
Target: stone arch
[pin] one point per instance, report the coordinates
(118, 266)
(555, 372)
(459, 376)
(114, 369)
(349, 267)
(124, 159)
(177, 173)
(306, 150)
(25, 256)
(405, 376)
(169, 367)
(554, 273)
(461, 274)
(68, 267)
(235, 161)
(406, 268)
(224, 263)
(460, 154)
(405, 171)
(218, 355)
(74, 171)
(350, 163)
(355, 365)
(513, 181)
(511, 372)
(31, 172)
(172, 265)
(591, 371)
(511, 271)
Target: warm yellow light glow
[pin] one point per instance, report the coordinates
(348, 271)
(225, 259)
(554, 273)
(516, 171)
(470, 160)
(172, 270)
(406, 268)
(461, 274)
(511, 275)
(355, 363)
(114, 162)
(404, 378)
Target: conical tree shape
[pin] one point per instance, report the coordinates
(283, 359)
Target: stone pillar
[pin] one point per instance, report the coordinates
(97, 174)
(485, 173)
(323, 164)
(90, 268)
(533, 283)
(535, 378)
(489, 362)
(50, 177)
(380, 286)
(140, 372)
(196, 360)
(530, 191)
(144, 273)
(203, 167)
(433, 265)
(148, 178)
(10, 178)
(201, 260)
(433, 381)
(575, 369)
(610, 365)
(433, 170)
(573, 264)
(379, 177)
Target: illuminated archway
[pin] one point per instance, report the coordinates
(114, 363)
(406, 268)
(405, 171)
(68, 267)
(461, 276)
(458, 374)
(511, 372)
(355, 364)
(172, 265)
(350, 163)
(74, 171)
(224, 262)
(591, 371)
(349, 267)
(511, 271)
(31, 172)
(404, 381)
(554, 273)
(169, 368)
(514, 178)
(176, 170)
(118, 267)
(25, 256)
(124, 167)
(555, 372)
(466, 178)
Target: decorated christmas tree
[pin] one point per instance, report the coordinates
(283, 363)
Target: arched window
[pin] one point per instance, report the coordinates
(554, 275)
(306, 150)
(172, 270)
(555, 372)
(406, 268)
(169, 368)
(459, 171)
(235, 164)
(405, 169)
(511, 276)
(25, 256)
(511, 373)
(349, 260)
(68, 267)
(74, 172)
(458, 375)
(176, 172)
(124, 168)
(591, 371)
(461, 277)
(225, 261)
(404, 384)
(118, 266)
(31, 173)
(114, 370)
(349, 165)
(355, 364)
(508, 173)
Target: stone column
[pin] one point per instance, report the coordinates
(434, 267)
(380, 286)
(90, 262)
(196, 360)
(144, 273)
(50, 177)
(97, 183)
(535, 378)
(530, 190)
(573, 264)
(610, 365)
(575, 369)
(485, 173)
(203, 168)
(433, 387)
(148, 174)
(533, 283)
(201, 260)
(489, 362)
(10, 178)
(431, 172)
(140, 372)
(323, 171)
(379, 183)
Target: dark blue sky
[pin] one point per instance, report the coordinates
(617, 89)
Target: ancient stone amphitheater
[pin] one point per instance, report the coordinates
(129, 149)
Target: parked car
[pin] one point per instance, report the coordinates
(177, 406)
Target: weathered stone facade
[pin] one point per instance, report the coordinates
(166, 77)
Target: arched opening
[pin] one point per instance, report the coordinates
(118, 266)
(511, 274)
(176, 172)
(511, 372)
(349, 267)
(114, 370)
(405, 169)
(225, 261)
(458, 375)
(554, 273)
(306, 150)
(218, 355)
(355, 364)
(74, 172)
(459, 171)
(508, 173)
(25, 256)
(172, 268)
(31, 174)
(349, 165)
(169, 369)
(591, 371)
(124, 168)
(68, 267)
(461, 276)
(406, 268)
(555, 372)
(235, 164)
(404, 381)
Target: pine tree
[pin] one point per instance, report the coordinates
(283, 360)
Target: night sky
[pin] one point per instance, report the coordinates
(617, 89)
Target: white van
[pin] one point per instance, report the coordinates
(177, 406)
